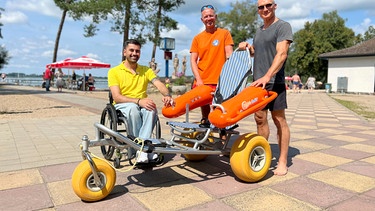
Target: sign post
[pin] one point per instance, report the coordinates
(167, 44)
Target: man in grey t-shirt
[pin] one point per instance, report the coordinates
(270, 51)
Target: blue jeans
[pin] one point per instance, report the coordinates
(48, 84)
(140, 120)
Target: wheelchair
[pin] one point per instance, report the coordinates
(250, 154)
(116, 121)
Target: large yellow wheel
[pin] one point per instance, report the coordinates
(193, 157)
(250, 157)
(83, 180)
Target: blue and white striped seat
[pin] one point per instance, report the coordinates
(233, 76)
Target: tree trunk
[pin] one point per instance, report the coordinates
(156, 31)
(128, 5)
(58, 36)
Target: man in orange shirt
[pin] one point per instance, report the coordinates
(208, 52)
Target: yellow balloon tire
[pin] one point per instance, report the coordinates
(83, 180)
(193, 157)
(250, 157)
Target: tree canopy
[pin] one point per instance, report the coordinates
(321, 36)
(4, 55)
(147, 17)
(242, 20)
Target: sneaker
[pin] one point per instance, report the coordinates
(152, 156)
(142, 157)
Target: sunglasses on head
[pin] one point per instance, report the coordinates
(268, 6)
(207, 7)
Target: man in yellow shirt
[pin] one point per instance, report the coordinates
(128, 84)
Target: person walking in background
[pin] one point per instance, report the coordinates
(59, 81)
(48, 77)
(208, 52)
(270, 50)
(128, 84)
(310, 83)
(74, 79)
(296, 80)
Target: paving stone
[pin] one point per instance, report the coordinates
(346, 180)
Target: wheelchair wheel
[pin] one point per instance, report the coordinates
(108, 119)
(83, 180)
(250, 157)
(156, 133)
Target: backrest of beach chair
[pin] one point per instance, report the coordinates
(233, 76)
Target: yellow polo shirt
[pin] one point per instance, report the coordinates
(131, 85)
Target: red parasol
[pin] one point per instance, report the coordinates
(83, 62)
(57, 64)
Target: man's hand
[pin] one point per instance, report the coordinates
(147, 104)
(243, 45)
(168, 101)
(261, 82)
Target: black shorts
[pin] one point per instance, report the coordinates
(280, 102)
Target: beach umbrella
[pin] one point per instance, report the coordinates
(57, 64)
(83, 62)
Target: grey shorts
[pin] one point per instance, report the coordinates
(280, 102)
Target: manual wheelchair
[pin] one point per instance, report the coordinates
(116, 121)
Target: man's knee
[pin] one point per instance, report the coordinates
(260, 117)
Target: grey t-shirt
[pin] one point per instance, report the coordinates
(265, 49)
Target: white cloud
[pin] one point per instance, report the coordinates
(183, 33)
(363, 26)
(45, 7)
(16, 17)
(62, 53)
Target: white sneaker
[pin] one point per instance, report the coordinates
(142, 157)
(152, 156)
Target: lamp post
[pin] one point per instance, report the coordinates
(167, 44)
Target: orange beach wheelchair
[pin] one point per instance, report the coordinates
(250, 154)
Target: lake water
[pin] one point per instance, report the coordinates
(100, 84)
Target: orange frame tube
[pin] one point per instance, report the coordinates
(197, 97)
(249, 101)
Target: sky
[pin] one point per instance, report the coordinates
(30, 29)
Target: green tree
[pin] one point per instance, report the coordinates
(369, 34)
(157, 19)
(4, 55)
(147, 17)
(321, 36)
(241, 20)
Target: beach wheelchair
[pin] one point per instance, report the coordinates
(250, 154)
(116, 121)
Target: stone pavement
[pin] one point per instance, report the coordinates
(331, 165)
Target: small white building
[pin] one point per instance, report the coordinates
(352, 69)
